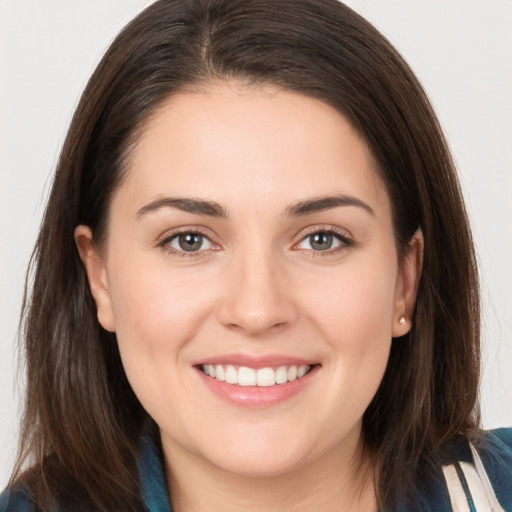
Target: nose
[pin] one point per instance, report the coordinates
(258, 295)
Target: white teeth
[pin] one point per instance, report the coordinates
(263, 377)
(219, 373)
(281, 375)
(266, 377)
(246, 376)
(231, 375)
(302, 370)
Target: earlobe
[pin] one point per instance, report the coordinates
(407, 285)
(97, 276)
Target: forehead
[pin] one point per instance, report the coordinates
(234, 143)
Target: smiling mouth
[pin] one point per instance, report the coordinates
(262, 377)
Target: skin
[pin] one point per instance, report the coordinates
(256, 287)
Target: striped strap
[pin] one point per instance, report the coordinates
(469, 487)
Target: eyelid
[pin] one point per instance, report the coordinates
(342, 235)
(169, 235)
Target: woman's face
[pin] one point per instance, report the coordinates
(253, 238)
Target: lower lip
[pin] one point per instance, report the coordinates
(258, 396)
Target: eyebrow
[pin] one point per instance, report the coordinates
(321, 204)
(213, 209)
(185, 204)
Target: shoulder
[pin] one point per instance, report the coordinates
(500, 440)
(459, 475)
(482, 470)
(495, 450)
(16, 500)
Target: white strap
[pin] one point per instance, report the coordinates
(455, 490)
(480, 488)
(484, 479)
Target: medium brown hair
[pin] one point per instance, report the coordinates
(82, 422)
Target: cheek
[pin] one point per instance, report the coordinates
(356, 320)
(355, 317)
(157, 312)
(355, 307)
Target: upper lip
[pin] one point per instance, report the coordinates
(250, 361)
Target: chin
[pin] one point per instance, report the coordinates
(258, 465)
(264, 456)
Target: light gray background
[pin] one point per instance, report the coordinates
(461, 51)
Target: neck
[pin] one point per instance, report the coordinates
(337, 481)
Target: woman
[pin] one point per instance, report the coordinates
(255, 286)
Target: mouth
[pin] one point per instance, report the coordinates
(259, 377)
(247, 380)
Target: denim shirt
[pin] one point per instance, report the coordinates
(495, 453)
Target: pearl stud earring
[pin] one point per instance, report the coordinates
(401, 320)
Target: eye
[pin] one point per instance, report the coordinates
(324, 240)
(187, 242)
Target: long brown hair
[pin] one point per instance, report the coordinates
(82, 422)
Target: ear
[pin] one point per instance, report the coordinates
(407, 285)
(97, 276)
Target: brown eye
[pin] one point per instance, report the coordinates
(189, 242)
(323, 241)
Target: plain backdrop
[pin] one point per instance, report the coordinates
(461, 51)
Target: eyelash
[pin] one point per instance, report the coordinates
(164, 243)
(346, 242)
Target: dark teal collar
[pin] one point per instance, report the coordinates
(152, 477)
